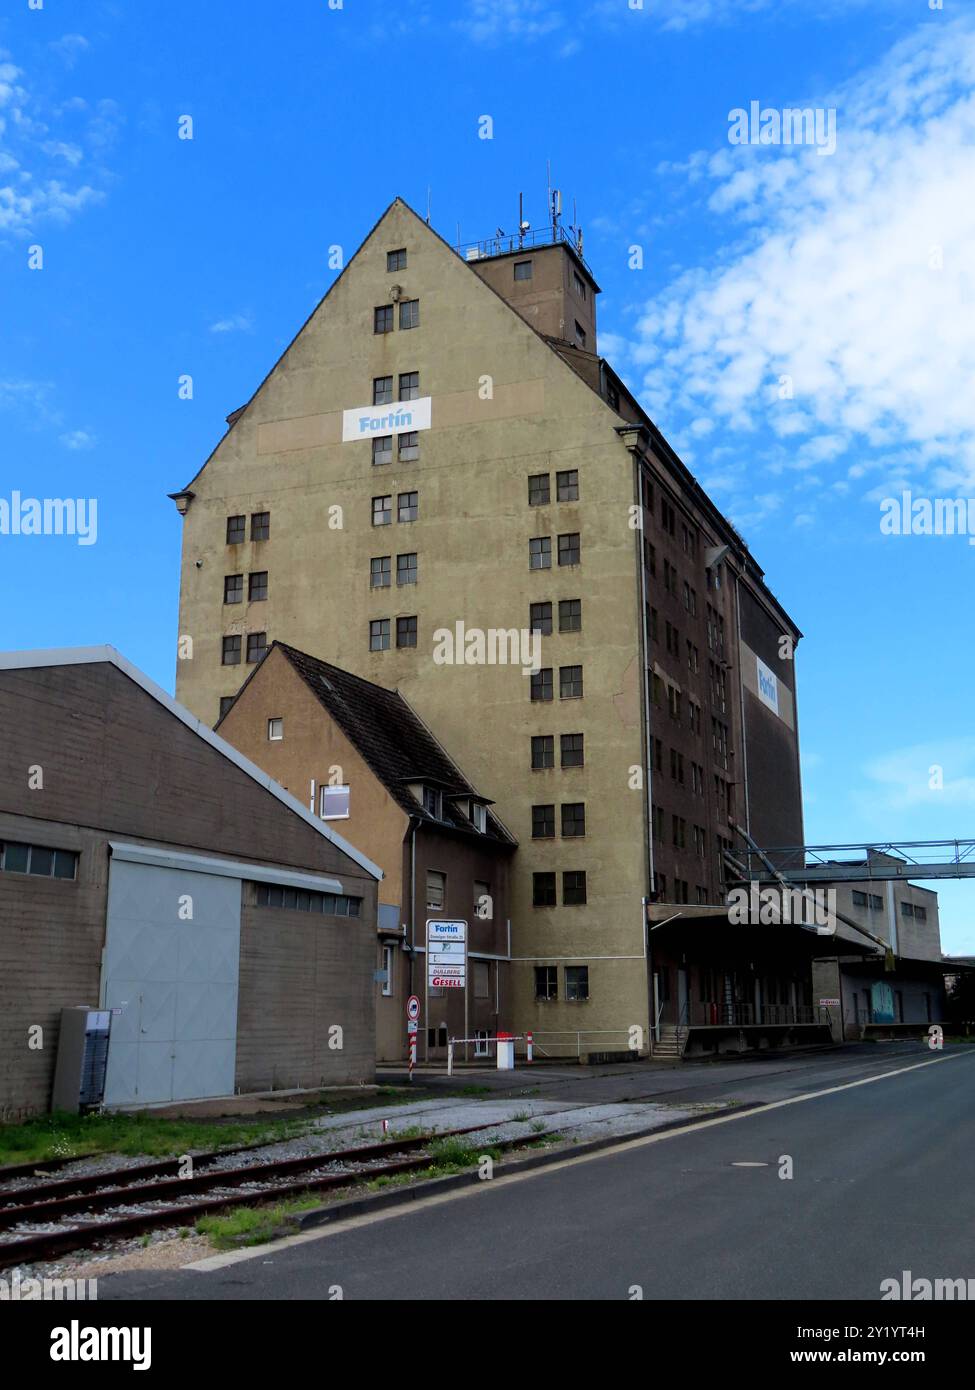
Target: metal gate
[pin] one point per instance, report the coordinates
(170, 975)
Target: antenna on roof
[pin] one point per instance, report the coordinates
(428, 204)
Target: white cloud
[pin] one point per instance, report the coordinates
(236, 323)
(832, 282)
(48, 152)
(70, 47)
(77, 439)
(902, 780)
(497, 21)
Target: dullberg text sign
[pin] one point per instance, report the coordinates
(373, 421)
(446, 954)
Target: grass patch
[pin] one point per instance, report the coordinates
(242, 1226)
(447, 1156)
(77, 1136)
(474, 1091)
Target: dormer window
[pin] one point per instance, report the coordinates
(479, 817)
(433, 802)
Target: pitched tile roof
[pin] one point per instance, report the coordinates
(391, 738)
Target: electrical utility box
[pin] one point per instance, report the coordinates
(79, 1078)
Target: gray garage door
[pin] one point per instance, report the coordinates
(173, 979)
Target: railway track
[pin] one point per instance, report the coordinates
(43, 1221)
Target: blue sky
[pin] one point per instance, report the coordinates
(802, 327)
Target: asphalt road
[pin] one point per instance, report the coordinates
(882, 1182)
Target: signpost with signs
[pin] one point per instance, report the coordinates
(412, 1015)
(446, 958)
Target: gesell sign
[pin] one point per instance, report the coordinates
(368, 421)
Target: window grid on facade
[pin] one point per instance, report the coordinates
(39, 861)
(382, 318)
(541, 684)
(567, 485)
(235, 529)
(569, 549)
(382, 390)
(523, 270)
(396, 260)
(379, 635)
(573, 819)
(543, 890)
(546, 982)
(543, 822)
(409, 313)
(382, 449)
(233, 588)
(540, 618)
(409, 446)
(260, 526)
(409, 386)
(570, 615)
(406, 569)
(256, 646)
(406, 632)
(573, 887)
(231, 651)
(379, 572)
(257, 586)
(570, 682)
(539, 490)
(382, 511)
(408, 506)
(572, 750)
(576, 983)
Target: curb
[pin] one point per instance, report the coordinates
(434, 1187)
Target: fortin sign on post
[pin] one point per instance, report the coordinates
(446, 955)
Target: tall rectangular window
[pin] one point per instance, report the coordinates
(543, 890)
(235, 529)
(406, 570)
(382, 318)
(569, 549)
(577, 983)
(233, 588)
(409, 446)
(540, 618)
(570, 682)
(572, 750)
(379, 572)
(541, 684)
(543, 751)
(406, 632)
(379, 635)
(573, 819)
(573, 887)
(539, 490)
(382, 511)
(256, 646)
(231, 651)
(382, 449)
(409, 386)
(260, 526)
(257, 586)
(540, 553)
(409, 313)
(567, 485)
(436, 890)
(546, 982)
(543, 822)
(396, 260)
(408, 506)
(570, 615)
(382, 390)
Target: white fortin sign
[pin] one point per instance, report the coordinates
(371, 421)
(768, 686)
(446, 955)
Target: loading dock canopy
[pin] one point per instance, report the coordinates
(709, 929)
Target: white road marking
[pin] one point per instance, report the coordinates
(334, 1228)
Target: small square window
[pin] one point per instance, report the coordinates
(569, 549)
(567, 485)
(572, 750)
(409, 446)
(543, 890)
(573, 888)
(382, 511)
(540, 618)
(256, 646)
(379, 572)
(260, 526)
(231, 651)
(235, 529)
(333, 803)
(570, 615)
(382, 319)
(382, 390)
(406, 632)
(65, 863)
(396, 260)
(409, 313)
(41, 861)
(408, 506)
(225, 702)
(15, 857)
(257, 586)
(540, 553)
(543, 751)
(570, 682)
(406, 570)
(543, 822)
(379, 635)
(275, 730)
(409, 386)
(573, 819)
(539, 490)
(382, 449)
(541, 684)
(523, 270)
(233, 588)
